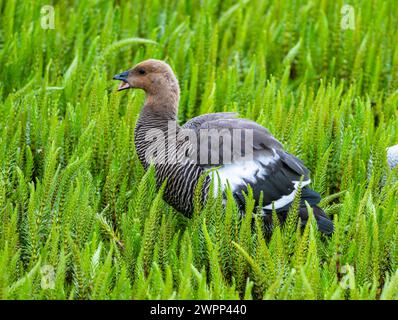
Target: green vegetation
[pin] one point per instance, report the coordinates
(74, 197)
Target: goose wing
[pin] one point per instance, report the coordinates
(197, 122)
(269, 169)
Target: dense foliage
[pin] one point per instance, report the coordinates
(80, 219)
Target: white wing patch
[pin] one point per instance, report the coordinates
(236, 173)
(284, 200)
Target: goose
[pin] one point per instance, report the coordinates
(392, 160)
(392, 156)
(273, 175)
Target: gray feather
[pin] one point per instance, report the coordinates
(196, 122)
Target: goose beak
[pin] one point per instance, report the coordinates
(122, 77)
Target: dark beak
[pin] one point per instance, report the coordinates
(122, 77)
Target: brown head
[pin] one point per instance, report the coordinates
(158, 81)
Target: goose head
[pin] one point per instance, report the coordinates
(153, 76)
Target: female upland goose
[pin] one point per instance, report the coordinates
(271, 172)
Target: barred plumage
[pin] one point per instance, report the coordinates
(182, 178)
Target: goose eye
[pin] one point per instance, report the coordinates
(141, 71)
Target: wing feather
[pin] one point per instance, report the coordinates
(272, 171)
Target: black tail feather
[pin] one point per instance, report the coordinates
(325, 225)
